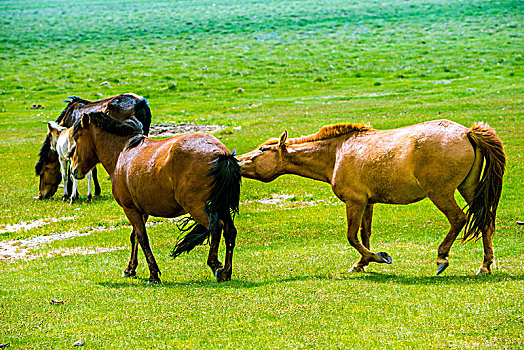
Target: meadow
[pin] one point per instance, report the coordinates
(259, 67)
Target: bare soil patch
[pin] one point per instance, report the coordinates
(167, 130)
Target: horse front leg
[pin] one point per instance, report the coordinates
(64, 168)
(365, 234)
(89, 177)
(230, 234)
(98, 190)
(138, 221)
(74, 193)
(355, 214)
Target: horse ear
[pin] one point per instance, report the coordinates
(282, 141)
(85, 121)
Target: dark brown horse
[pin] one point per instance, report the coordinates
(189, 173)
(122, 107)
(400, 166)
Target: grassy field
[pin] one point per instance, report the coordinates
(259, 67)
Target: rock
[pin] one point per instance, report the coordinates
(79, 343)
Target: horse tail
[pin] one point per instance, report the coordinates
(222, 203)
(143, 114)
(482, 210)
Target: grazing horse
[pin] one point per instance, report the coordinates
(365, 166)
(188, 173)
(62, 143)
(122, 107)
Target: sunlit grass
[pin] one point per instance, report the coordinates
(300, 65)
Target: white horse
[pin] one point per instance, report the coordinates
(62, 142)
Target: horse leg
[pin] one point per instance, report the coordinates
(230, 234)
(468, 192)
(133, 261)
(65, 178)
(354, 212)
(74, 193)
(89, 176)
(365, 233)
(457, 219)
(95, 181)
(212, 259)
(138, 222)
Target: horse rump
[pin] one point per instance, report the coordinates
(222, 203)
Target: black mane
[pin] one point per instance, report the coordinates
(115, 126)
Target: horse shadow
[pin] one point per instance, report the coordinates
(375, 277)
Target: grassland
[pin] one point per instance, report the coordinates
(300, 65)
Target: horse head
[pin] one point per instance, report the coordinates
(82, 155)
(48, 169)
(265, 163)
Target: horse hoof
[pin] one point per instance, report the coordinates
(357, 269)
(442, 267)
(89, 198)
(483, 271)
(128, 274)
(153, 281)
(385, 257)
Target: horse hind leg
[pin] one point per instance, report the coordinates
(230, 234)
(467, 190)
(457, 219)
(133, 260)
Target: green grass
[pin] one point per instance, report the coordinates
(301, 65)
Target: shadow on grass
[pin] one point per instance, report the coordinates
(361, 277)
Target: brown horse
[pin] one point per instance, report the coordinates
(189, 173)
(400, 166)
(122, 107)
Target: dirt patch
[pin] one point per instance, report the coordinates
(289, 201)
(21, 249)
(166, 130)
(32, 224)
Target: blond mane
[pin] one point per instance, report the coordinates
(325, 133)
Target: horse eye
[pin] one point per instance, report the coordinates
(263, 148)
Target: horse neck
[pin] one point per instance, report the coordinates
(108, 147)
(314, 160)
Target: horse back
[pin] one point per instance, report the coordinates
(163, 175)
(398, 165)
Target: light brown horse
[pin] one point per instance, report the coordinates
(189, 173)
(400, 166)
(122, 107)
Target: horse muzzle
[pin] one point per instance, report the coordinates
(76, 174)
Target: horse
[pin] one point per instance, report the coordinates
(365, 166)
(122, 107)
(62, 143)
(188, 173)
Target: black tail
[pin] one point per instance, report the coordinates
(482, 210)
(143, 114)
(222, 203)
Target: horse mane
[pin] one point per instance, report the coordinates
(325, 133)
(72, 100)
(114, 126)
